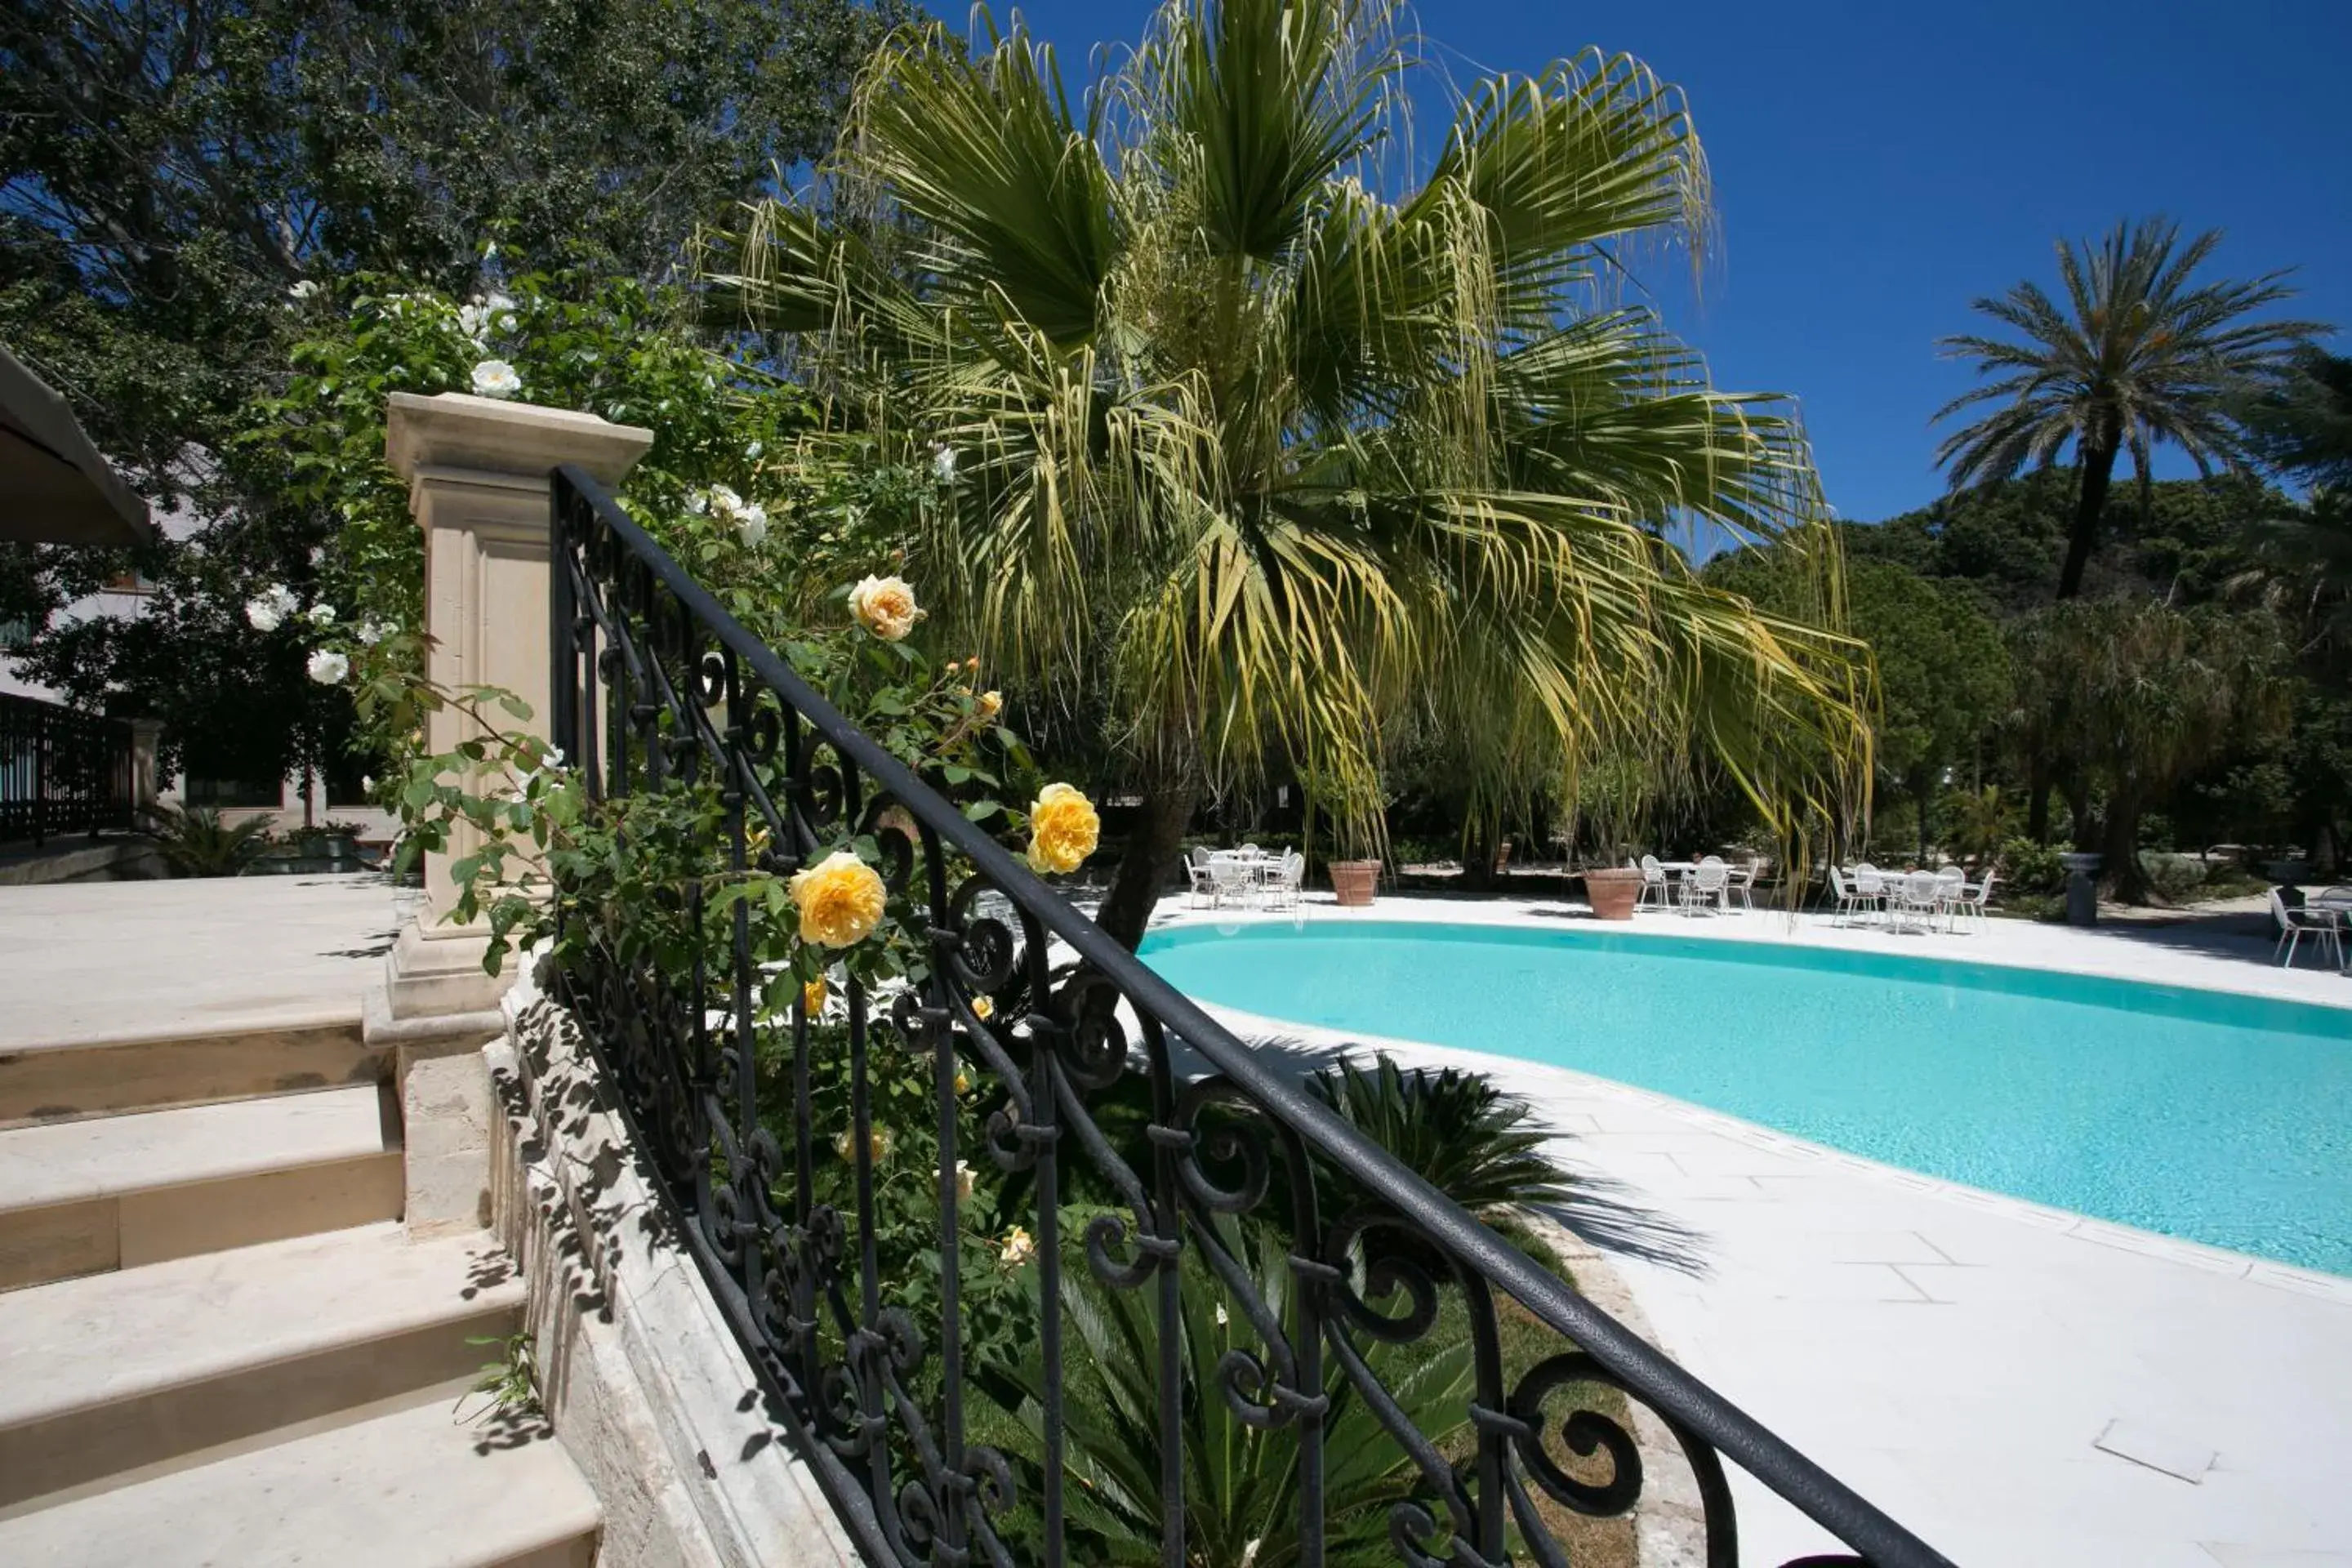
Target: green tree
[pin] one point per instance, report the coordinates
(2130, 696)
(182, 185)
(2302, 554)
(1281, 455)
(1943, 669)
(2141, 354)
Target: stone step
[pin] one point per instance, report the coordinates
(57, 1079)
(415, 1489)
(111, 1371)
(81, 1197)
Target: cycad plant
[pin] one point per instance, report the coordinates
(194, 842)
(1280, 423)
(2141, 353)
(1241, 1479)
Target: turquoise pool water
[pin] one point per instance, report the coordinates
(2222, 1119)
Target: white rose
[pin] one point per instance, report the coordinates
(724, 501)
(367, 784)
(495, 378)
(307, 288)
(943, 464)
(328, 667)
(752, 523)
(373, 632)
(269, 609)
(753, 451)
(323, 615)
(699, 503)
(471, 321)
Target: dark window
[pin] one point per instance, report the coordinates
(343, 776)
(218, 792)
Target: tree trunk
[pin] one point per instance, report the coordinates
(2120, 846)
(2037, 798)
(1154, 846)
(2090, 501)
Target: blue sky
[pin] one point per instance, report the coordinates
(1879, 164)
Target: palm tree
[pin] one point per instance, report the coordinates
(1281, 446)
(2141, 354)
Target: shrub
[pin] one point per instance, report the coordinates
(2175, 878)
(2031, 867)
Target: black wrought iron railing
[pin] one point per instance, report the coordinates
(61, 770)
(1146, 1161)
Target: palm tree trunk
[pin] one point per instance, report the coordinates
(2090, 501)
(2037, 797)
(2119, 846)
(1154, 845)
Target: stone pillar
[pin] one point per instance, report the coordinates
(478, 481)
(146, 754)
(477, 472)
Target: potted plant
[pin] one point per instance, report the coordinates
(1356, 882)
(1611, 793)
(1613, 890)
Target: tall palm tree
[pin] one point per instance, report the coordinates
(2141, 354)
(1281, 444)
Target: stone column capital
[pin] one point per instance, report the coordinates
(456, 430)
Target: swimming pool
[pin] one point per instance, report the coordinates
(2220, 1118)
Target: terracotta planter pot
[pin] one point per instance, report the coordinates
(1613, 890)
(1355, 881)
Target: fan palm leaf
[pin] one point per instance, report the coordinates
(1281, 445)
(2141, 354)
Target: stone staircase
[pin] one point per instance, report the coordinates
(219, 1343)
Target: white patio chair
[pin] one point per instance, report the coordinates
(1919, 893)
(2294, 924)
(1197, 865)
(1977, 901)
(1236, 881)
(1847, 900)
(1706, 883)
(1871, 889)
(1654, 882)
(1293, 879)
(1742, 883)
(1951, 886)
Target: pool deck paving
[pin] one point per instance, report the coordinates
(2021, 1386)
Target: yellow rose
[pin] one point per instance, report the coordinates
(885, 606)
(1019, 1247)
(877, 1144)
(991, 703)
(983, 1008)
(963, 1180)
(840, 899)
(812, 997)
(963, 1081)
(1062, 828)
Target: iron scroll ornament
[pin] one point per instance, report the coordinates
(654, 685)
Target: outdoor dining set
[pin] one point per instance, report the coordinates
(1910, 900)
(1246, 878)
(1695, 887)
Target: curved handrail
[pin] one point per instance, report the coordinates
(1688, 1404)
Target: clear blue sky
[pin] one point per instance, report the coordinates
(1878, 164)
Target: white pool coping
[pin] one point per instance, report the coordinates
(1957, 1355)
